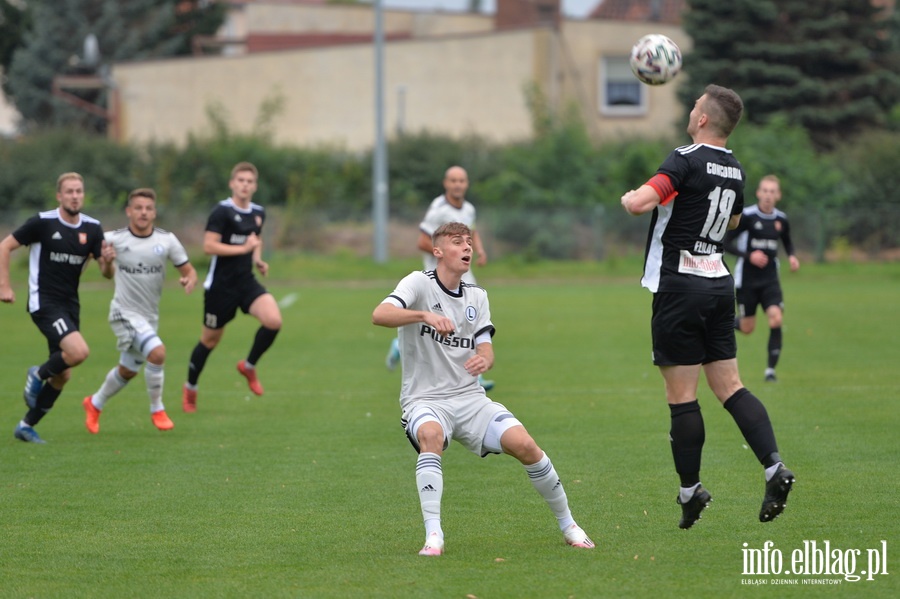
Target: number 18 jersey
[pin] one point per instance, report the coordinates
(685, 242)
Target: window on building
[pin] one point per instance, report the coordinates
(620, 93)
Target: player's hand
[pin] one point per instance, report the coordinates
(476, 365)
(795, 263)
(7, 295)
(482, 259)
(107, 251)
(758, 258)
(262, 267)
(443, 325)
(188, 282)
(253, 242)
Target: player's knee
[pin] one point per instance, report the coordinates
(157, 355)
(521, 445)
(76, 355)
(430, 438)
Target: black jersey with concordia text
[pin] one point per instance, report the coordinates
(235, 225)
(684, 244)
(758, 231)
(58, 253)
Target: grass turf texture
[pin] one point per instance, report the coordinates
(309, 491)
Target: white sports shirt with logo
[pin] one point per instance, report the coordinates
(441, 212)
(140, 269)
(433, 365)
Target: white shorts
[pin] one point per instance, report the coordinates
(136, 338)
(473, 420)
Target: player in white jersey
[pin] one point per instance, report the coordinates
(449, 207)
(141, 254)
(445, 332)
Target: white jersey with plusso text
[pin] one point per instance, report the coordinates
(140, 269)
(441, 212)
(433, 366)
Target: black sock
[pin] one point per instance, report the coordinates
(687, 436)
(45, 400)
(198, 361)
(774, 346)
(751, 417)
(53, 366)
(263, 341)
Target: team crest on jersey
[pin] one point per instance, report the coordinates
(82, 238)
(471, 313)
(778, 226)
(258, 220)
(158, 250)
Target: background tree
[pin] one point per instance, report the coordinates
(831, 66)
(15, 20)
(134, 30)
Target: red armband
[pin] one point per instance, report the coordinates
(663, 186)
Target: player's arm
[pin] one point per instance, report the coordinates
(789, 245)
(389, 315)
(213, 246)
(261, 265)
(482, 361)
(479, 249)
(7, 247)
(424, 242)
(659, 189)
(107, 259)
(188, 278)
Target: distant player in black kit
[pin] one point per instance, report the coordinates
(696, 195)
(61, 241)
(755, 242)
(232, 238)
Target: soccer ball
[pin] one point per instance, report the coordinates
(655, 59)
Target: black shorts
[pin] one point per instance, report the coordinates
(692, 328)
(56, 322)
(749, 298)
(220, 303)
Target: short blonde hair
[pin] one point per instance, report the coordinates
(244, 166)
(66, 177)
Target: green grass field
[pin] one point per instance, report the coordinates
(309, 491)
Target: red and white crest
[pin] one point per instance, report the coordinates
(82, 238)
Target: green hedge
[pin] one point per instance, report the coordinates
(559, 168)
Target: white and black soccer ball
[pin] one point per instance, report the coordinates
(655, 59)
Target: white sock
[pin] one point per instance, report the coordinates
(430, 482)
(545, 479)
(686, 493)
(112, 385)
(248, 365)
(771, 470)
(155, 376)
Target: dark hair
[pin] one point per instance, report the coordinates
(141, 192)
(724, 108)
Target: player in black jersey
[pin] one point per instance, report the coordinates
(233, 239)
(696, 195)
(755, 242)
(61, 241)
